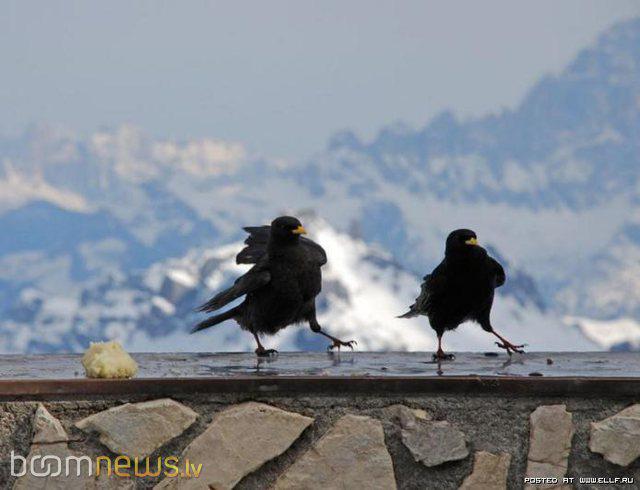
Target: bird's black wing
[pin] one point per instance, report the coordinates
(258, 239)
(257, 277)
(314, 250)
(256, 244)
(501, 277)
(432, 285)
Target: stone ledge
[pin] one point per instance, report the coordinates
(287, 385)
(539, 374)
(344, 364)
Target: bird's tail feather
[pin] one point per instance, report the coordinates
(214, 320)
(409, 314)
(219, 300)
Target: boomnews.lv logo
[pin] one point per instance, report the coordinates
(50, 465)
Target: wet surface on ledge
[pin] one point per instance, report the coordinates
(346, 364)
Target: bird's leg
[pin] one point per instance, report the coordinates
(261, 351)
(440, 354)
(337, 343)
(506, 345)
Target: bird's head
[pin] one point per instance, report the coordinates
(287, 229)
(460, 240)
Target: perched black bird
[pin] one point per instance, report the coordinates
(280, 289)
(460, 289)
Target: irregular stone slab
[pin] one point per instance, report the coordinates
(550, 433)
(352, 454)
(238, 441)
(407, 417)
(430, 442)
(50, 440)
(46, 428)
(434, 443)
(138, 429)
(489, 472)
(617, 438)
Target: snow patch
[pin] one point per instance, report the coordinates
(609, 333)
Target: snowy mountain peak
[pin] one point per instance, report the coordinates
(615, 57)
(364, 289)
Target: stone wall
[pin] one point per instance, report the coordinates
(325, 441)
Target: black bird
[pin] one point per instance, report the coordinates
(460, 289)
(280, 289)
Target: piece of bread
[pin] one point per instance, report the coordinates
(108, 360)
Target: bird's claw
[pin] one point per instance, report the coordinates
(266, 352)
(509, 347)
(337, 343)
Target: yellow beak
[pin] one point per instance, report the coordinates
(299, 231)
(472, 241)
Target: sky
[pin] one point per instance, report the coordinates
(281, 76)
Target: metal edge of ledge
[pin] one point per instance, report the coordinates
(14, 390)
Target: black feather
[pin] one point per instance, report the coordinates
(258, 240)
(461, 287)
(280, 289)
(214, 320)
(252, 280)
(256, 244)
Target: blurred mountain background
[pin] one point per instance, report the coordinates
(119, 234)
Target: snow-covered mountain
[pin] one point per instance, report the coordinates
(552, 186)
(364, 289)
